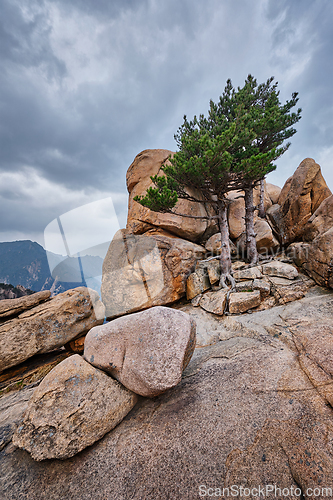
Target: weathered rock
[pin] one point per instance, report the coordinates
(209, 267)
(73, 407)
(146, 351)
(141, 271)
(49, 326)
(250, 273)
(273, 192)
(299, 199)
(316, 258)
(240, 302)
(214, 302)
(265, 304)
(197, 283)
(263, 286)
(280, 269)
(264, 417)
(320, 222)
(244, 286)
(265, 240)
(12, 307)
(213, 245)
(140, 219)
(236, 211)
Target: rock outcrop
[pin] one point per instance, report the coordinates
(315, 255)
(140, 219)
(49, 325)
(300, 197)
(141, 271)
(146, 351)
(251, 410)
(73, 407)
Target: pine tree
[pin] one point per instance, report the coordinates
(232, 149)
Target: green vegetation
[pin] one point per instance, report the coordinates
(233, 148)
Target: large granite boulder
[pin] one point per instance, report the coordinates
(236, 210)
(265, 239)
(49, 325)
(320, 222)
(74, 406)
(300, 197)
(248, 412)
(140, 271)
(273, 192)
(146, 351)
(140, 219)
(315, 255)
(316, 258)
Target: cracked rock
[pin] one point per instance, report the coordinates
(74, 406)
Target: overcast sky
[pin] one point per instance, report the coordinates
(85, 85)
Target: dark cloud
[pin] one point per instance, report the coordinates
(87, 85)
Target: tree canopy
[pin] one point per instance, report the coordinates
(234, 147)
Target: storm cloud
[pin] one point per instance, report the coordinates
(86, 85)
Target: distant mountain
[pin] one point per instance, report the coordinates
(26, 263)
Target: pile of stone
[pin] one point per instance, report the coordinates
(83, 398)
(257, 287)
(149, 262)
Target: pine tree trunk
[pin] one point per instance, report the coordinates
(261, 203)
(251, 245)
(225, 258)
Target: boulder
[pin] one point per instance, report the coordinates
(244, 286)
(320, 222)
(146, 351)
(249, 273)
(196, 284)
(273, 192)
(140, 271)
(49, 326)
(12, 307)
(299, 199)
(240, 302)
(236, 210)
(214, 302)
(316, 258)
(246, 413)
(213, 245)
(280, 269)
(73, 407)
(265, 240)
(140, 219)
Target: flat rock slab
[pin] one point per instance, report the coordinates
(146, 351)
(240, 302)
(214, 302)
(49, 326)
(74, 406)
(251, 273)
(280, 269)
(12, 307)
